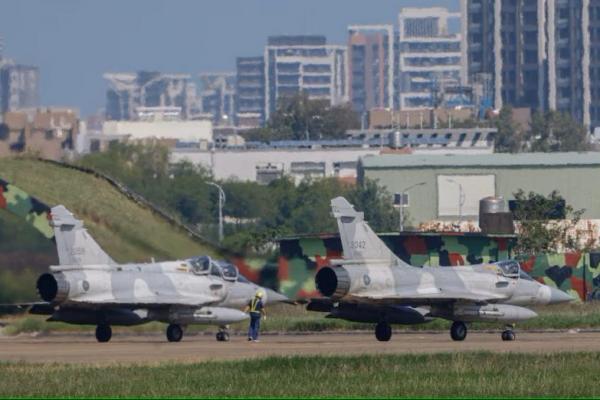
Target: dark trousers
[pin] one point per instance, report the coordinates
(254, 326)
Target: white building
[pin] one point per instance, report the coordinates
(371, 65)
(264, 165)
(19, 86)
(217, 96)
(295, 64)
(128, 91)
(183, 131)
(430, 58)
(260, 162)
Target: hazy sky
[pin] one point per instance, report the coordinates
(74, 42)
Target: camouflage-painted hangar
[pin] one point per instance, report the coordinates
(300, 257)
(437, 183)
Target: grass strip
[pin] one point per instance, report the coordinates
(477, 374)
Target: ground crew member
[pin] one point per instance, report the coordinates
(256, 309)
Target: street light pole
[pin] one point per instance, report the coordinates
(461, 198)
(221, 204)
(402, 212)
(401, 205)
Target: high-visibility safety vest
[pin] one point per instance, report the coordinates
(254, 304)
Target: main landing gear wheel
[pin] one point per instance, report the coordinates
(383, 331)
(458, 331)
(508, 335)
(174, 333)
(103, 333)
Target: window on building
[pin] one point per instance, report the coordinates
(4, 131)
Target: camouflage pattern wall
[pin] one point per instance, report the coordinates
(300, 258)
(27, 207)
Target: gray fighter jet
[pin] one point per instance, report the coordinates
(88, 287)
(371, 284)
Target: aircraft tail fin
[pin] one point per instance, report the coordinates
(74, 244)
(359, 242)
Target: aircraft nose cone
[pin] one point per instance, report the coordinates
(558, 296)
(275, 297)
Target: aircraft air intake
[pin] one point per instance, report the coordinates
(53, 287)
(333, 282)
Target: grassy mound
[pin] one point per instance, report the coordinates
(125, 229)
(462, 375)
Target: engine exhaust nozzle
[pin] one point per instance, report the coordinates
(333, 282)
(53, 288)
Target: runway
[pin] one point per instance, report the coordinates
(154, 348)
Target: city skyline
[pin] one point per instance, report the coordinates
(81, 41)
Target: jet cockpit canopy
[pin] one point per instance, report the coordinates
(509, 268)
(204, 265)
(229, 272)
(200, 265)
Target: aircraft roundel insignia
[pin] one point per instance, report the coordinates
(366, 279)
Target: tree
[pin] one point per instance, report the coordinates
(337, 120)
(555, 131)
(377, 205)
(298, 117)
(188, 193)
(509, 138)
(142, 167)
(544, 223)
(312, 213)
(259, 134)
(246, 200)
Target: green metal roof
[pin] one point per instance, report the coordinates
(481, 160)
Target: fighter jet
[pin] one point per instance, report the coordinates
(89, 287)
(371, 284)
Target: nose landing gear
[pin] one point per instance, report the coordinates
(508, 335)
(223, 335)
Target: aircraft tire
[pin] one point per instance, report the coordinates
(383, 331)
(508, 335)
(174, 333)
(103, 333)
(222, 337)
(458, 331)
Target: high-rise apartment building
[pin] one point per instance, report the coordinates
(542, 54)
(217, 96)
(131, 90)
(371, 65)
(19, 86)
(592, 74)
(430, 59)
(295, 64)
(250, 91)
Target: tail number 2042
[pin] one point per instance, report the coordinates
(358, 244)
